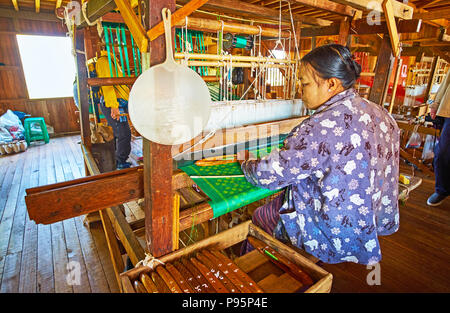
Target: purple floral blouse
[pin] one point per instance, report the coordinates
(341, 170)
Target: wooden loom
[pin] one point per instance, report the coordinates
(155, 181)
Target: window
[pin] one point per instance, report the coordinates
(48, 64)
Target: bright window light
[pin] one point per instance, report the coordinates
(275, 77)
(48, 64)
(279, 54)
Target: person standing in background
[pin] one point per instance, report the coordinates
(441, 163)
(114, 105)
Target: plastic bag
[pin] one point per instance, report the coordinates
(428, 147)
(9, 119)
(5, 136)
(12, 123)
(415, 140)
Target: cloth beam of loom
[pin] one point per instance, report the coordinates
(230, 193)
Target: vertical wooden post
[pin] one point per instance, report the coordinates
(431, 77)
(83, 99)
(159, 213)
(344, 32)
(394, 87)
(383, 70)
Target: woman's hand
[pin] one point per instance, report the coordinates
(244, 155)
(433, 113)
(115, 113)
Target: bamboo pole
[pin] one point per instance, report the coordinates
(213, 26)
(235, 64)
(234, 58)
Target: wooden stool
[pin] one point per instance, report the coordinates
(29, 136)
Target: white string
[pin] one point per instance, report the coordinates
(148, 261)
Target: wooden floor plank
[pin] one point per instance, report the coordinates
(36, 256)
(6, 183)
(27, 282)
(11, 272)
(102, 247)
(60, 257)
(44, 276)
(95, 272)
(97, 276)
(7, 217)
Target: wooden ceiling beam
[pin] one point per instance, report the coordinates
(401, 10)
(362, 28)
(331, 6)
(392, 27)
(246, 9)
(16, 5)
(96, 9)
(429, 4)
(434, 15)
(28, 15)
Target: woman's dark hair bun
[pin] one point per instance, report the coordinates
(357, 68)
(334, 60)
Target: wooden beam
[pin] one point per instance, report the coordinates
(426, 5)
(73, 198)
(408, 156)
(383, 70)
(362, 28)
(28, 15)
(237, 28)
(245, 9)
(438, 14)
(96, 9)
(80, 61)
(16, 5)
(442, 54)
(331, 6)
(431, 77)
(394, 87)
(344, 32)
(400, 9)
(158, 195)
(177, 17)
(134, 25)
(392, 27)
(435, 44)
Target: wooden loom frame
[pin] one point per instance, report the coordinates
(113, 220)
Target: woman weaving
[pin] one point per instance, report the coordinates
(339, 168)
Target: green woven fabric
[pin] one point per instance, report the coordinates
(227, 194)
